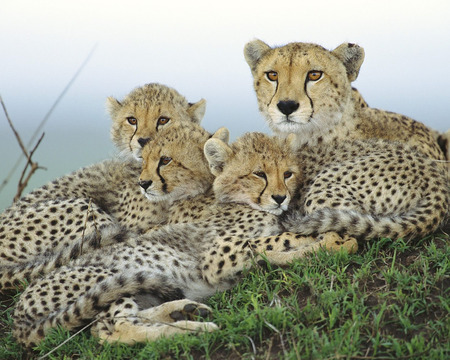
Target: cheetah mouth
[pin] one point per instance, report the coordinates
(291, 122)
(272, 210)
(289, 119)
(153, 196)
(157, 197)
(277, 211)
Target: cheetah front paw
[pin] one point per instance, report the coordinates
(192, 311)
(176, 310)
(130, 331)
(332, 241)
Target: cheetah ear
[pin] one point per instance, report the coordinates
(112, 106)
(217, 153)
(254, 51)
(197, 110)
(222, 134)
(352, 56)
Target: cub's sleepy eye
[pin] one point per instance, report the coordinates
(162, 120)
(272, 75)
(260, 174)
(165, 160)
(314, 75)
(287, 174)
(132, 120)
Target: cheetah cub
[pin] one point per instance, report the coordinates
(150, 285)
(131, 213)
(305, 89)
(101, 200)
(137, 118)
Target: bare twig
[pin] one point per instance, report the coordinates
(44, 120)
(16, 134)
(34, 166)
(253, 345)
(23, 182)
(68, 86)
(68, 339)
(279, 334)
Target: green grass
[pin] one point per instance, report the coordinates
(389, 301)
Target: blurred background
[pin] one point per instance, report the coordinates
(197, 48)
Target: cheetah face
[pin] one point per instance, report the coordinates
(301, 86)
(264, 188)
(257, 170)
(140, 117)
(174, 166)
(164, 178)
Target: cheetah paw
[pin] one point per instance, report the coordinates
(191, 311)
(132, 332)
(176, 310)
(332, 241)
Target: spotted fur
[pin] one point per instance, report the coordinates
(132, 290)
(369, 189)
(48, 234)
(78, 211)
(137, 118)
(305, 89)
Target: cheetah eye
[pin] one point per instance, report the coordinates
(272, 75)
(314, 75)
(165, 160)
(132, 120)
(287, 174)
(260, 174)
(162, 120)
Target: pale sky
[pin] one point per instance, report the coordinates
(197, 48)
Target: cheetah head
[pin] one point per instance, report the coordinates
(256, 170)
(138, 118)
(174, 166)
(301, 87)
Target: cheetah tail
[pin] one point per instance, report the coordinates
(30, 331)
(419, 221)
(13, 276)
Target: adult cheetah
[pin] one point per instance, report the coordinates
(305, 89)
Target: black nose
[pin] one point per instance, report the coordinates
(288, 107)
(145, 184)
(279, 198)
(143, 141)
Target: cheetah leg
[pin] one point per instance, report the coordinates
(330, 241)
(130, 333)
(126, 325)
(176, 310)
(229, 256)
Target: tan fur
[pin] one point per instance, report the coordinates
(101, 201)
(443, 140)
(325, 110)
(186, 172)
(132, 288)
(70, 227)
(369, 189)
(263, 184)
(146, 110)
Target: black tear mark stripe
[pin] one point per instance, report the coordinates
(310, 100)
(276, 90)
(262, 192)
(132, 136)
(163, 181)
